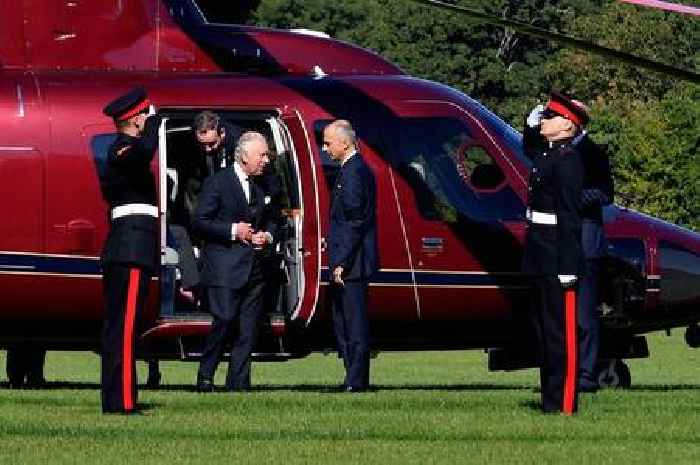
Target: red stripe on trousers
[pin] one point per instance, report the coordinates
(127, 345)
(571, 349)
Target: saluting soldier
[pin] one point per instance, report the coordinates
(130, 255)
(553, 254)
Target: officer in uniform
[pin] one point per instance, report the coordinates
(598, 191)
(553, 244)
(130, 255)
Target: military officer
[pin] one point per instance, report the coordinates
(130, 255)
(553, 244)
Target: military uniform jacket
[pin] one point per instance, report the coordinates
(555, 185)
(222, 202)
(352, 241)
(132, 239)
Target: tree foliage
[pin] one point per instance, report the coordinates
(650, 121)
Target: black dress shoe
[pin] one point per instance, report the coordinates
(588, 388)
(353, 389)
(204, 385)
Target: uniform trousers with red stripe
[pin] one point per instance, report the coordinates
(555, 322)
(124, 294)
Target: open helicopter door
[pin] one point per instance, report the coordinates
(303, 218)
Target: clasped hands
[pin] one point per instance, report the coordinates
(246, 234)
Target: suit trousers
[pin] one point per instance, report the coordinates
(352, 331)
(588, 323)
(558, 348)
(235, 313)
(125, 291)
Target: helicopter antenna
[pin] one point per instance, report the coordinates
(541, 33)
(675, 7)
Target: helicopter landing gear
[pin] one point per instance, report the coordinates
(692, 336)
(25, 367)
(154, 375)
(613, 373)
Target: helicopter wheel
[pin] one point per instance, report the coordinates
(614, 374)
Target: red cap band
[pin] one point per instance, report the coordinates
(565, 112)
(135, 111)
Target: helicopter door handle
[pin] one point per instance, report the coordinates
(60, 36)
(432, 243)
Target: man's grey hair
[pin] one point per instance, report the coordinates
(206, 120)
(244, 142)
(346, 132)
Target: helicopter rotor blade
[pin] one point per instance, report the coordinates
(541, 33)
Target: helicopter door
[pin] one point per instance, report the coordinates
(304, 223)
(169, 258)
(458, 192)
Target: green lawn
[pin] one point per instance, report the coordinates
(433, 407)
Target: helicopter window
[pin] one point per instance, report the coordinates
(480, 170)
(453, 179)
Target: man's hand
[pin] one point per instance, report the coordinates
(259, 239)
(244, 232)
(338, 275)
(567, 280)
(535, 116)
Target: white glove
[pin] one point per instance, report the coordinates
(535, 116)
(567, 280)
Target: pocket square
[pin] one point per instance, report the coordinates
(267, 200)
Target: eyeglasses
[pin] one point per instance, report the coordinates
(548, 114)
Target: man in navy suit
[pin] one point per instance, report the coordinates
(229, 218)
(352, 249)
(598, 192)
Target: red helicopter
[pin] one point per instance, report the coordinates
(451, 189)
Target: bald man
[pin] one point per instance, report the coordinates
(352, 251)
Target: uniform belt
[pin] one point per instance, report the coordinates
(541, 217)
(134, 209)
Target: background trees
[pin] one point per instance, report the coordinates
(651, 122)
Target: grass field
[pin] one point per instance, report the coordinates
(431, 407)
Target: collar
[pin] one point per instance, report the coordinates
(352, 154)
(238, 169)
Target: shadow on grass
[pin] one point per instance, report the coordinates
(321, 388)
(329, 388)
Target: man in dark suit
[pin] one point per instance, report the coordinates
(598, 191)
(130, 254)
(229, 218)
(552, 253)
(352, 251)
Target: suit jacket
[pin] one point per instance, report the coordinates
(227, 263)
(598, 191)
(352, 241)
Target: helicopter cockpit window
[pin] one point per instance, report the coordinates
(480, 170)
(453, 178)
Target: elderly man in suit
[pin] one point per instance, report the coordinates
(352, 249)
(229, 218)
